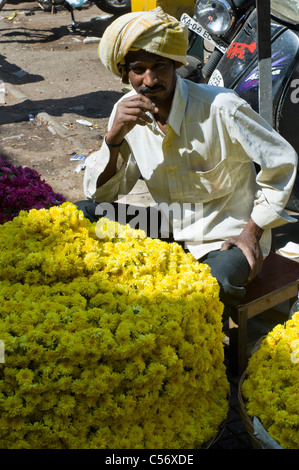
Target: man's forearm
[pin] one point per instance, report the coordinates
(110, 169)
(253, 229)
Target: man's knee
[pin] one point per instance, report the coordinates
(88, 208)
(231, 269)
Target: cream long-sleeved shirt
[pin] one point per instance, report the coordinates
(203, 168)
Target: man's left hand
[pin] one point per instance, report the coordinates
(248, 242)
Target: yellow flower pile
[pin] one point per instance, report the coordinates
(271, 391)
(109, 343)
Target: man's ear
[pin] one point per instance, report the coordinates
(124, 73)
(177, 65)
(125, 79)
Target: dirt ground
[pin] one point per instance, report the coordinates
(54, 74)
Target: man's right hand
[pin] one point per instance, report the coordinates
(130, 111)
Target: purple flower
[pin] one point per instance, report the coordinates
(21, 188)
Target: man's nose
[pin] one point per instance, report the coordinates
(149, 78)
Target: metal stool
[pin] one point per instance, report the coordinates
(277, 282)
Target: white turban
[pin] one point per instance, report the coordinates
(153, 31)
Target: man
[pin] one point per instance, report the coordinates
(195, 146)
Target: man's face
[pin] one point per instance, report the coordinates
(152, 75)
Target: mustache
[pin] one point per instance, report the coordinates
(149, 89)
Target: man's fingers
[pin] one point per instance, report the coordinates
(254, 259)
(135, 111)
(226, 245)
(130, 112)
(135, 115)
(141, 102)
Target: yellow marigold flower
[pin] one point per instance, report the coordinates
(110, 342)
(168, 356)
(25, 377)
(271, 389)
(65, 405)
(13, 405)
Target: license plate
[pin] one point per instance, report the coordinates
(198, 29)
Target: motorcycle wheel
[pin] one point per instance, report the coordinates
(114, 6)
(2, 3)
(46, 6)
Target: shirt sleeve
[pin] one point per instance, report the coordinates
(277, 165)
(121, 183)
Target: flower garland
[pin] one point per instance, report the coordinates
(109, 343)
(21, 188)
(271, 389)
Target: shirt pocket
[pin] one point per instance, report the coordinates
(212, 184)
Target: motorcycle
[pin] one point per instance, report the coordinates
(230, 28)
(109, 6)
(114, 6)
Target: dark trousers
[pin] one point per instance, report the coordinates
(230, 267)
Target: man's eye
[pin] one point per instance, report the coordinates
(137, 70)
